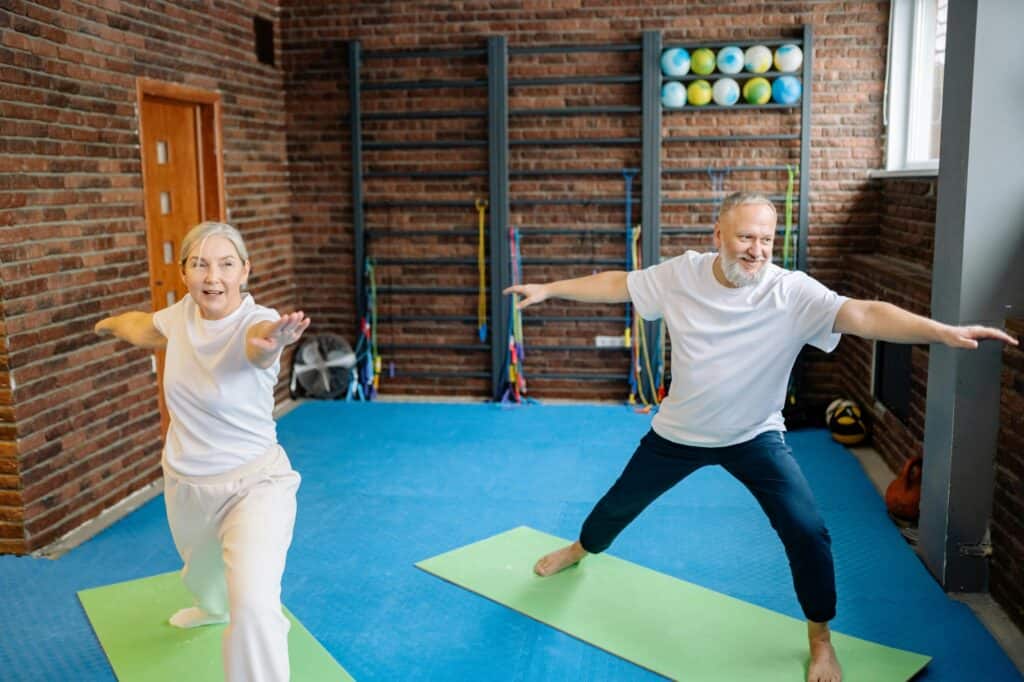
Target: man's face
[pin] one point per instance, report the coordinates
(744, 237)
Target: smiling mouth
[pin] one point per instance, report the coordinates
(212, 292)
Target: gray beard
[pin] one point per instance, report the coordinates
(737, 276)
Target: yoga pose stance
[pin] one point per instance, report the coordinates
(737, 323)
(228, 486)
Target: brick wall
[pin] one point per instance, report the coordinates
(900, 272)
(897, 269)
(849, 54)
(81, 427)
(1008, 497)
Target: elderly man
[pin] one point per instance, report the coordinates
(737, 323)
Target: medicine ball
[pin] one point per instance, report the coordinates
(845, 421)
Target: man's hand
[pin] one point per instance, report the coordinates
(531, 294)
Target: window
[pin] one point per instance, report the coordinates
(893, 371)
(917, 57)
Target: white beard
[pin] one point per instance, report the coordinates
(736, 274)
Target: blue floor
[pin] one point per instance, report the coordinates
(385, 485)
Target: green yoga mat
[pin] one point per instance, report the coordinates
(669, 626)
(130, 620)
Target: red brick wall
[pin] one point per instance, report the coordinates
(849, 54)
(80, 416)
(1008, 498)
(897, 270)
(900, 272)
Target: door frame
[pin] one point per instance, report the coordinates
(210, 172)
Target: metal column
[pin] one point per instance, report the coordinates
(979, 236)
(805, 150)
(498, 206)
(650, 179)
(358, 224)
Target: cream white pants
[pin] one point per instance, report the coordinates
(232, 532)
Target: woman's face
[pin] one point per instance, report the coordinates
(214, 274)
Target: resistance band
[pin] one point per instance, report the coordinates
(789, 220)
(515, 389)
(366, 378)
(627, 175)
(717, 188)
(481, 266)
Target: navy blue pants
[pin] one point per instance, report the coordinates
(765, 465)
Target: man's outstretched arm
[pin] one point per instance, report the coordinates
(604, 287)
(887, 322)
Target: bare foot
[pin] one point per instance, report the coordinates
(559, 560)
(824, 666)
(195, 617)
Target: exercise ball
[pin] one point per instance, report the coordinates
(725, 92)
(786, 90)
(698, 93)
(757, 91)
(702, 61)
(845, 421)
(757, 59)
(673, 95)
(675, 62)
(730, 59)
(788, 58)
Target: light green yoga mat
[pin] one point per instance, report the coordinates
(666, 625)
(130, 620)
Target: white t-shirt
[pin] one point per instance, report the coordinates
(221, 405)
(732, 349)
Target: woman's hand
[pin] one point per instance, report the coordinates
(276, 335)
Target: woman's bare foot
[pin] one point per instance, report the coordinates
(560, 559)
(824, 666)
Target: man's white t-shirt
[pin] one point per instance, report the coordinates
(221, 405)
(732, 349)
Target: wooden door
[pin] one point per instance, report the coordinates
(179, 134)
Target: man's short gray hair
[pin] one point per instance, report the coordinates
(737, 199)
(208, 229)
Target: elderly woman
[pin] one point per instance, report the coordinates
(228, 486)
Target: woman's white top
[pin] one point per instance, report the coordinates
(220, 405)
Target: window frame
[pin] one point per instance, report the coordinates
(909, 85)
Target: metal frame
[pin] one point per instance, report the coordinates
(498, 144)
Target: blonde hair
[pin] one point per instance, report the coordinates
(209, 228)
(737, 199)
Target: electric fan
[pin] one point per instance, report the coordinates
(322, 367)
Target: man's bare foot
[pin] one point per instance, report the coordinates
(559, 560)
(824, 666)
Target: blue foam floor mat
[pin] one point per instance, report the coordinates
(387, 484)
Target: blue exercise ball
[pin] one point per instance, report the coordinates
(786, 90)
(730, 59)
(673, 95)
(675, 62)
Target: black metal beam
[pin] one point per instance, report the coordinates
(805, 150)
(358, 225)
(650, 181)
(420, 54)
(567, 49)
(500, 276)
